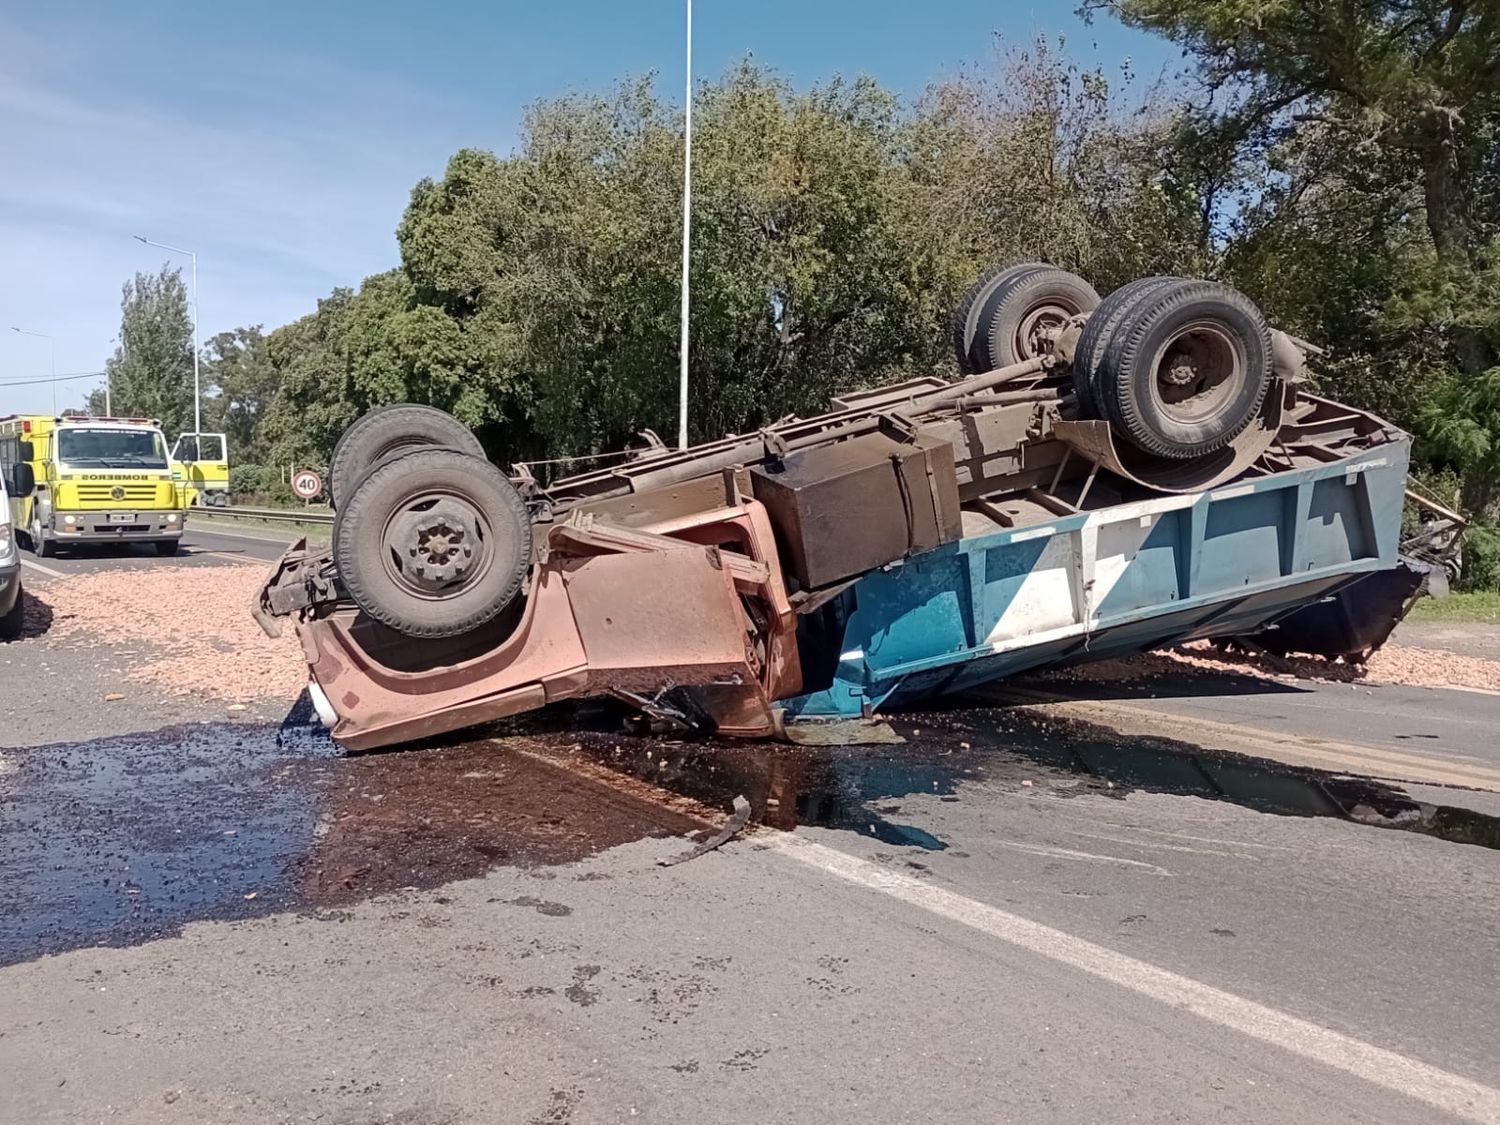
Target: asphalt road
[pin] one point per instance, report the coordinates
(1437, 735)
(999, 921)
(201, 546)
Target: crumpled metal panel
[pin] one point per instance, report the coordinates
(683, 625)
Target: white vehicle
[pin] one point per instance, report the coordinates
(10, 572)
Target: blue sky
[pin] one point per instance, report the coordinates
(281, 140)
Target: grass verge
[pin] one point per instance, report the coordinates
(1479, 607)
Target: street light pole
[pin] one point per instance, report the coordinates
(687, 233)
(197, 389)
(51, 347)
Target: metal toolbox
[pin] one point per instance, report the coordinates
(840, 510)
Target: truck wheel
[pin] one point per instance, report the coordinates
(1097, 330)
(1014, 319)
(433, 544)
(1186, 370)
(41, 546)
(965, 321)
(166, 549)
(386, 429)
(13, 622)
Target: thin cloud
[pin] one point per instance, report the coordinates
(287, 175)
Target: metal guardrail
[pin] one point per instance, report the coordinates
(277, 515)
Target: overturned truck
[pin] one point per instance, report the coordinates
(1104, 477)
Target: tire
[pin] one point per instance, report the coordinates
(387, 459)
(386, 429)
(13, 622)
(1018, 308)
(385, 529)
(41, 546)
(166, 550)
(1097, 330)
(1186, 370)
(965, 320)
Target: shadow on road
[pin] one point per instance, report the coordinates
(1160, 676)
(37, 618)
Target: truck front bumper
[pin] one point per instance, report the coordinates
(116, 527)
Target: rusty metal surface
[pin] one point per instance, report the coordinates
(733, 452)
(1096, 442)
(687, 624)
(299, 580)
(840, 510)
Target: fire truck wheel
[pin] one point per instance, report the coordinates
(965, 321)
(167, 548)
(41, 546)
(1018, 315)
(1186, 370)
(387, 429)
(433, 544)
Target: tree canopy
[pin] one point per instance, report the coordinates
(537, 297)
(1334, 160)
(151, 372)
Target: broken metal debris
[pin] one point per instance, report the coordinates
(732, 828)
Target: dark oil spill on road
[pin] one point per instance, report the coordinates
(122, 840)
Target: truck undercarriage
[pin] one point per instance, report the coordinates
(1106, 477)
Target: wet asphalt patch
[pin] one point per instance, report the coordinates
(123, 840)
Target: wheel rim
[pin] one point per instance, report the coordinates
(1039, 327)
(1197, 374)
(437, 544)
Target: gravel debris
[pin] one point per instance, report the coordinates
(200, 639)
(1393, 664)
(188, 629)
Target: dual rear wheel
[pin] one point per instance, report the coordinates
(1177, 367)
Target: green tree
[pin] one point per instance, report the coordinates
(1418, 77)
(1461, 421)
(151, 371)
(238, 372)
(1365, 137)
(314, 402)
(561, 262)
(1037, 158)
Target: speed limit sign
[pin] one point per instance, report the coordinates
(306, 483)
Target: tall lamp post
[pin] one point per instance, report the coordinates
(687, 231)
(52, 347)
(197, 390)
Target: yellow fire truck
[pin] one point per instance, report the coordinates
(82, 480)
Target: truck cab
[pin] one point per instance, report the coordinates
(81, 481)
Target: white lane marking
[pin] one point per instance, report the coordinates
(1087, 857)
(270, 537)
(40, 569)
(243, 560)
(1451, 1093)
